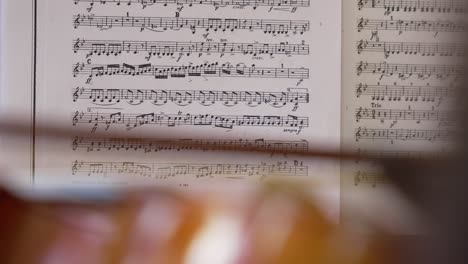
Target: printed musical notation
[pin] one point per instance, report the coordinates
(172, 170)
(443, 6)
(148, 146)
(411, 48)
(402, 134)
(405, 71)
(400, 114)
(398, 93)
(216, 3)
(369, 178)
(208, 24)
(293, 96)
(206, 70)
(131, 121)
(180, 48)
(409, 25)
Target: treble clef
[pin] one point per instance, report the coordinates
(359, 68)
(360, 25)
(357, 178)
(75, 167)
(75, 143)
(360, 46)
(77, 21)
(360, 4)
(76, 46)
(358, 114)
(357, 135)
(76, 69)
(76, 94)
(75, 118)
(359, 90)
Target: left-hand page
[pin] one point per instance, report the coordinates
(246, 73)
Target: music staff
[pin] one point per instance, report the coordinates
(401, 134)
(369, 178)
(411, 48)
(180, 48)
(380, 92)
(252, 98)
(405, 71)
(130, 120)
(400, 114)
(206, 70)
(148, 146)
(216, 3)
(409, 25)
(271, 26)
(171, 170)
(448, 6)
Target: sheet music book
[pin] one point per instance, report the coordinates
(366, 75)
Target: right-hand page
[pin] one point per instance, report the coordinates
(401, 63)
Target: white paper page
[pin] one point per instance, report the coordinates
(401, 63)
(220, 72)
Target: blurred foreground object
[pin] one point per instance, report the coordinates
(277, 224)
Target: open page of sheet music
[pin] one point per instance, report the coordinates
(220, 73)
(211, 73)
(402, 61)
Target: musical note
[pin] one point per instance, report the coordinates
(206, 70)
(160, 24)
(252, 98)
(216, 3)
(402, 134)
(409, 25)
(411, 48)
(401, 114)
(406, 71)
(398, 93)
(179, 48)
(173, 170)
(148, 146)
(131, 121)
(447, 6)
